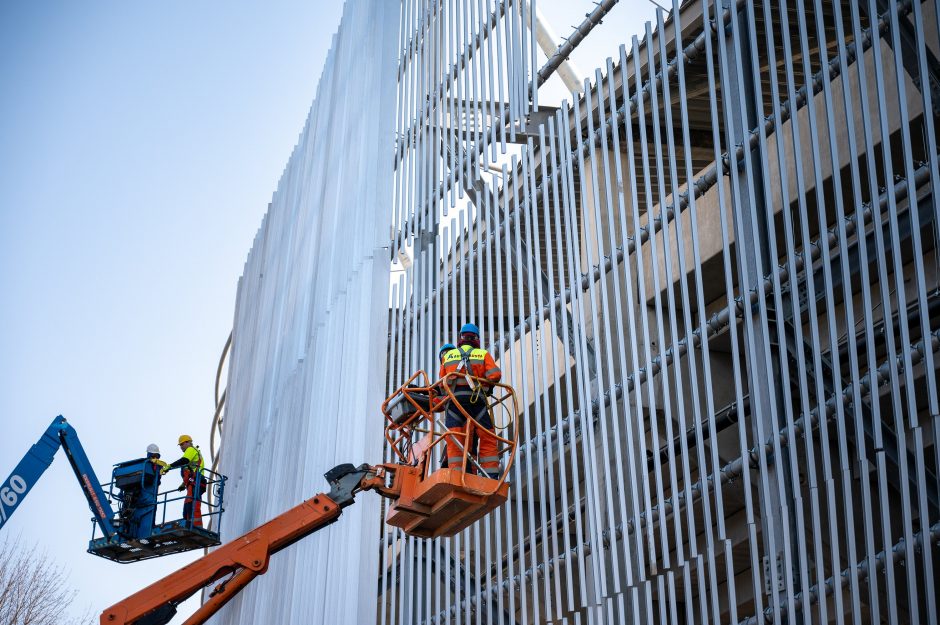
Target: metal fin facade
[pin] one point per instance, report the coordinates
(713, 277)
(713, 280)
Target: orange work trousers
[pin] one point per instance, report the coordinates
(192, 505)
(482, 443)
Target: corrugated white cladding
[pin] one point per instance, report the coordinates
(307, 369)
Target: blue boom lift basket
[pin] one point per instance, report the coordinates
(145, 524)
(168, 531)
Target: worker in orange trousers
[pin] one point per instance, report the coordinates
(468, 360)
(192, 466)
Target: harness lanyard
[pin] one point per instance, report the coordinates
(196, 468)
(465, 362)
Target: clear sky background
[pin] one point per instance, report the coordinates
(140, 143)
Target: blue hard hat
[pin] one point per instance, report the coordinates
(470, 328)
(446, 347)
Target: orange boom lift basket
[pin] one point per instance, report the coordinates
(433, 501)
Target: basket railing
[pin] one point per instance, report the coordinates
(415, 423)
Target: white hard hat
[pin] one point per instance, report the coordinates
(153, 449)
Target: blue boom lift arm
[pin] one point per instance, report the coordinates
(37, 460)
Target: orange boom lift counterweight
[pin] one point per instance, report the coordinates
(425, 501)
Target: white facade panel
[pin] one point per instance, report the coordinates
(307, 365)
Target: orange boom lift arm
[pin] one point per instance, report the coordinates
(244, 558)
(425, 501)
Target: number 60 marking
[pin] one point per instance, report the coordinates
(10, 494)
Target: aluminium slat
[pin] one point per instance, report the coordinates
(752, 236)
(527, 364)
(597, 302)
(555, 599)
(643, 333)
(664, 312)
(569, 330)
(931, 149)
(800, 356)
(911, 403)
(479, 96)
(592, 475)
(733, 213)
(491, 331)
(533, 61)
(476, 289)
(490, 96)
(926, 99)
(671, 277)
(502, 94)
(598, 404)
(461, 540)
(450, 544)
(518, 372)
(522, 82)
(465, 122)
(451, 107)
(553, 220)
(880, 76)
(499, 333)
(540, 377)
(799, 516)
(512, 70)
(512, 512)
(709, 407)
(824, 442)
(867, 307)
(648, 335)
(457, 123)
(612, 232)
(636, 559)
(682, 271)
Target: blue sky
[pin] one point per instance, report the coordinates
(139, 146)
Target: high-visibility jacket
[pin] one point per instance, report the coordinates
(196, 463)
(192, 460)
(473, 361)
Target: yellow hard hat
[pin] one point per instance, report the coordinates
(185, 438)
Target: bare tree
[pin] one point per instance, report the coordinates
(33, 588)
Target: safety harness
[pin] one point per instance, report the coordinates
(465, 367)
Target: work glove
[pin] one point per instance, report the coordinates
(181, 488)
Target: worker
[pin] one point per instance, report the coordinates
(446, 347)
(153, 455)
(145, 509)
(465, 362)
(192, 466)
(439, 402)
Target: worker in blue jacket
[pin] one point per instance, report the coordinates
(145, 511)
